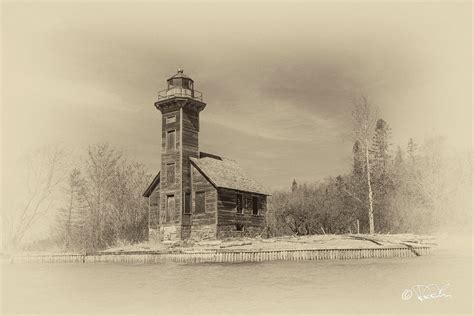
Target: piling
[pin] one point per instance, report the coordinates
(228, 256)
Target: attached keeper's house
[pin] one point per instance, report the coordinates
(198, 195)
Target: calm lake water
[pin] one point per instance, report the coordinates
(354, 286)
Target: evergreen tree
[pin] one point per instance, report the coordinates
(379, 150)
(381, 177)
(358, 165)
(398, 161)
(294, 186)
(412, 149)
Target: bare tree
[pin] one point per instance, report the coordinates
(67, 216)
(363, 124)
(45, 172)
(100, 168)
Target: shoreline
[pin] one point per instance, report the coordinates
(227, 256)
(287, 248)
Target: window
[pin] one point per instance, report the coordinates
(170, 172)
(239, 227)
(239, 203)
(200, 202)
(187, 203)
(254, 205)
(246, 203)
(170, 119)
(170, 140)
(170, 206)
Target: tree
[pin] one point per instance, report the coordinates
(380, 148)
(358, 165)
(294, 186)
(69, 217)
(104, 202)
(100, 168)
(412, 149)
(129, 209)
(363, 122)
(381, 164)
(45, 173)
(398, 161)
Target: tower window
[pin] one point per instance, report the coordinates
(254, 205)
(171, 140)
(239, 203)
(170, 119)
(170, 173)
(200, 202)
(187, 203)
(170, 207)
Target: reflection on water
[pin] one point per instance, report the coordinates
(259, 288)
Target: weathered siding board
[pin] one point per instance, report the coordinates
(170, 222)
(190, 129)
(154, 212)
(167, 157)
(228, 218)
(203, 225)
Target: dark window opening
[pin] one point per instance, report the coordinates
(247, 203)
(200, 202)
(187, 203)
(171, 119)
(170, 173)
(254, 205)
(239, 204)
(239, 227)
(170, 207)
(170, 140)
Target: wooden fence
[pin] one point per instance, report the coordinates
(227, 256)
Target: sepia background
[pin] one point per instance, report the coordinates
(279, 80)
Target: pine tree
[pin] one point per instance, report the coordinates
(294, 186)
(412, 149)
(380, 148)
(380, 165)
(398, 161)
(358, 166)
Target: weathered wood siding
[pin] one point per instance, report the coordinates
(190, 144)
(170, 222)
(228, 219)
(190, 148)
(203, 225)
(154, 215)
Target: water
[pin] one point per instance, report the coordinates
(353, 286)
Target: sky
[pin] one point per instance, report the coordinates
(279, 79)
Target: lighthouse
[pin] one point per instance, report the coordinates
(192, 195)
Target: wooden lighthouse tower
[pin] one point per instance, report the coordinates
(180, 106)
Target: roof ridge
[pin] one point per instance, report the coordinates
(227, 173)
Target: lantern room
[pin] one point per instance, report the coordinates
(180, 80)
(180, 85)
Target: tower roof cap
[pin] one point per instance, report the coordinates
(180, 74)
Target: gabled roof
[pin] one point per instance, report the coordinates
(152, 186)
(226, 173)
